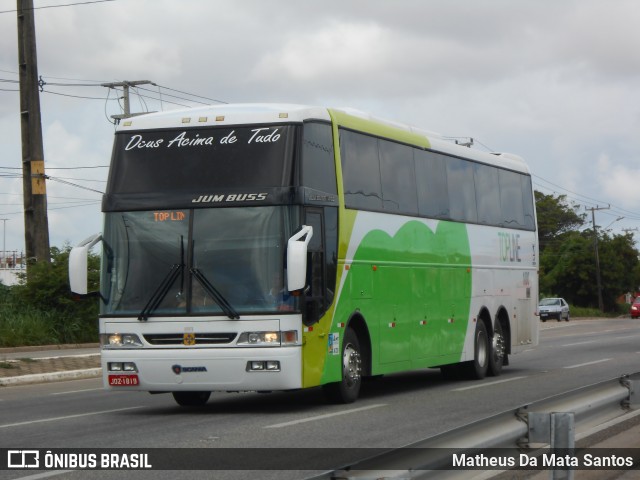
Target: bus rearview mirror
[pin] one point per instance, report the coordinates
(78, 266)
(297, 258)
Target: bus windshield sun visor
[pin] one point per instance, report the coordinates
(226, 307)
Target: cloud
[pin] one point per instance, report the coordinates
(555, 82)
(619, 182)
(74, 212)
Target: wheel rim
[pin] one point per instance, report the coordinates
(498, 346)
(351, 365)
(482, 349)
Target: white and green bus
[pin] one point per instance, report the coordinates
(278, 247)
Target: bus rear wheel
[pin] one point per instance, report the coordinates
(497, 353)
(191, 399)
(477, 368)
(348, 389)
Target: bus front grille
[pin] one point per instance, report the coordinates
(182, 339)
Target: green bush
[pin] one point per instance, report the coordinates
(42, 310)
(594, 312)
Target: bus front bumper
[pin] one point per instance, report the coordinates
(202, 369)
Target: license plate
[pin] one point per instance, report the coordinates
(123, 380)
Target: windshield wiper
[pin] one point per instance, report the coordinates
(162, 290)
(217, 296)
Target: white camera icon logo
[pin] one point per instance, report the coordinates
(23, 459)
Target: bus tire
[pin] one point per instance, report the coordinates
(477, 368)
(348, 389)
(497, 352)
(191, 399)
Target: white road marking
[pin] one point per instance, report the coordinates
(83, 355)
(77, 391)
(489, 384)
(55, 419)
(322, 417)
(577, 343)
(44, 475)
(588, 363)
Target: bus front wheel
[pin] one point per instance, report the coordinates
(477, 368)
(348, 389)
(191, 399)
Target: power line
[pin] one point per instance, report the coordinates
(76, 96)
(81, 179)
(579, 198)
(61, 168)
(77, 168)
(97, 202)
(187, 93)
(160, 97)
(58, 6)
(59, 180)
(566, 190)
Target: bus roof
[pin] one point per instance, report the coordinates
(227, 114)
(265, 113)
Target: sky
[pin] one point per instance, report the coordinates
(554, 81)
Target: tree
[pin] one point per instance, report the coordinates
(619, 265)
(568, 269)
(567, 257)
(555, 218)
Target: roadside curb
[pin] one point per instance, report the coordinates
(37, 348)
(48, 363)
(51, 377)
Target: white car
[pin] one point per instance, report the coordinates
(556, 308)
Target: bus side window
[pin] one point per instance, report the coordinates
(318, 167)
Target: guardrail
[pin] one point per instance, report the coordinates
(550, 423)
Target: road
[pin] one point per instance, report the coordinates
(392, 411)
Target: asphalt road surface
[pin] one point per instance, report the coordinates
(392, 411)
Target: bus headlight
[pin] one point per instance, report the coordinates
(122, 367)
(120, 340)
(268, 339)
(263, 366)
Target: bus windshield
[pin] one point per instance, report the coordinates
(193, 262)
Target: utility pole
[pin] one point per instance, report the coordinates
(595, 247)
(126, 85)
(36, 223)
(4, 243)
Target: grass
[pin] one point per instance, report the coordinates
(30, 326)
(622, 309)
